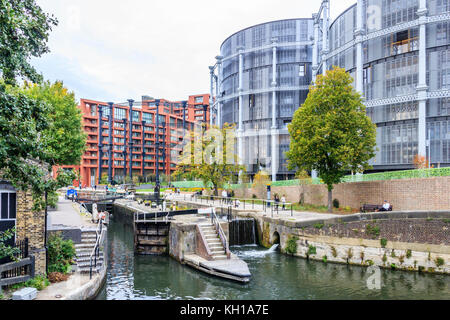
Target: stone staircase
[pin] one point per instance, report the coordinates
(213, 241)
(84, 250)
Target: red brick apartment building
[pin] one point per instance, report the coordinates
(141, 146)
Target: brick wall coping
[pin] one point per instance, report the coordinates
(363, 217)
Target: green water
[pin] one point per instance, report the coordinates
(274, 276)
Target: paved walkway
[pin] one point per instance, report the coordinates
(257, 208)
(68, 215)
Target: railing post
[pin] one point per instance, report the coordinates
(32, 266)
(292, 211)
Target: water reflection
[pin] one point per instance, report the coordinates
(274, 276)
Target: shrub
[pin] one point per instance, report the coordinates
(311, 250)
(318, 225)
(439, 262)
(336, 203)
(38, 282)
(408, 253)
(325, 259)
(383, 243)
(373, 231)
(60, 254)
(334, 252)
(349, 253)
(291, 246)
(57, 277)
(7, 250)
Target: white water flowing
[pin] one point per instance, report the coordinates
(257, 253)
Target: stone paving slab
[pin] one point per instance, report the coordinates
(67, 215)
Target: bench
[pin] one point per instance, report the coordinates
(372, 207)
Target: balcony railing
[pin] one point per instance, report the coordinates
(404, 46)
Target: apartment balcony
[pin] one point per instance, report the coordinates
(405, 46)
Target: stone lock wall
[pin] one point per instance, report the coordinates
(31, 225)
(295, 239)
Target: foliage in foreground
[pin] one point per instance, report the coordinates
(7, 250)
(60, 254)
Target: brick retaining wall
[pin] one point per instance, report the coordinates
(406, 194)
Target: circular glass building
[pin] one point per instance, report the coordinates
(403, 74)
(397, 51)
(264, 75)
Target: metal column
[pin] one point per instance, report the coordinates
(110, 147)
(422, 87)
(130, 138)
(100, 142)
(274, 131)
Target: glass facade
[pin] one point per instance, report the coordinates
(391, 59)
(390, 68)
(292, 40)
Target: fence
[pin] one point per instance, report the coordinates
(271, 206)
(20, 269)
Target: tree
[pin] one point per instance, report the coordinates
(64, 139)
(420, 162)
(260, 182)
(210, 157)
(331, 132)
(24, 31)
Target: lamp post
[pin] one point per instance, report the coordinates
(205, 108)
(124, 151)
(130, 138)
(143, 148)
(100, 142)
(110, 121)
(184, 117)
(157, 181)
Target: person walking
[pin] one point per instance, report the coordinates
(277, 200)
(283, 201)
(224, 196)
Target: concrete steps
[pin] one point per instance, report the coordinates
(84, 251)
(213, 242)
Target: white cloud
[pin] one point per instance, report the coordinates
(114, 50)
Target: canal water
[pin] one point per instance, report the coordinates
(274, 276)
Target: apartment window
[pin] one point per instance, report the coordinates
(147, 117)
(199, 99)
(120, 113)
(302, 70)
(93, 109)
(136, 116)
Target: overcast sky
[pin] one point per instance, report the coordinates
(111, 50)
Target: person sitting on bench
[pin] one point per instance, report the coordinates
(386, 206)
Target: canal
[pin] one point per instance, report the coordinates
(275, 276)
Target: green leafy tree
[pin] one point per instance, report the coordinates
(64, 139)
(24, 32)
(331, 132)
(211, 159)
(25, 120)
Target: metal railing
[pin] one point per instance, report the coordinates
(99, 233)
(19, 269)
(268, 205)
(215, 221)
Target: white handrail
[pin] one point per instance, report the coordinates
(99, 232)
(219, 229)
